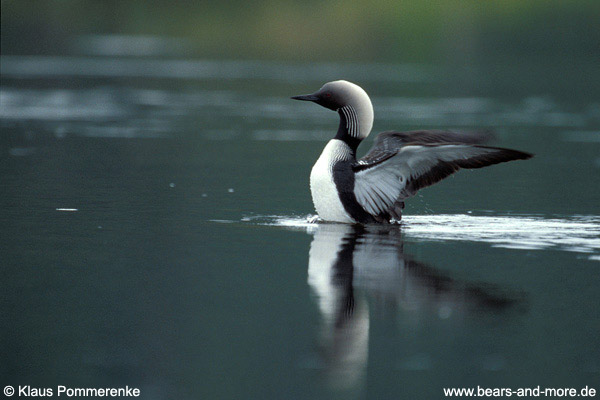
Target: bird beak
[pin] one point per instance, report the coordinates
(306, 97)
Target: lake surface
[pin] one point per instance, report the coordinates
(154, 234)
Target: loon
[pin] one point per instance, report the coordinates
(373, 189)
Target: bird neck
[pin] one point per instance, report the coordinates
(349, 128)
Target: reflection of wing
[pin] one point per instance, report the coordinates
(357, 259)
(347, 261)
(394, 169)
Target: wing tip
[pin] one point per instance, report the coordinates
(518, 154)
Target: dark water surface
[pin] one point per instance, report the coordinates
(154, 235)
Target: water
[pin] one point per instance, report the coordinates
(154, 235)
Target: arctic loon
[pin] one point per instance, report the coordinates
(373, 189)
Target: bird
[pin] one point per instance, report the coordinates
(373, 188)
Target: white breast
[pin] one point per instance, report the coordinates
(322, 187)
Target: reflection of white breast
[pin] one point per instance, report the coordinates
(322, 256)
(346, 344)
(322, 187)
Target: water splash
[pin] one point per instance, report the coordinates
(580, 234)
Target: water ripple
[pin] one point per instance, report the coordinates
(580, 234)
(96, 67)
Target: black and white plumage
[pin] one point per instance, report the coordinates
(373, 189)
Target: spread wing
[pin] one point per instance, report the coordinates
(397, 167)
(391, 141)
(393, 138)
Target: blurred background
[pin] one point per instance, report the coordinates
(405, 31)
(154, 179)
(509, 40)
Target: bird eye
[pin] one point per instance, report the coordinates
(327, 94)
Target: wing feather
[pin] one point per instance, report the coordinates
(395, 139)
(388, 175)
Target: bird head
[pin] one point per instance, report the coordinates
(346, 98)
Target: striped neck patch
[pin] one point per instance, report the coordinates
(351, 121)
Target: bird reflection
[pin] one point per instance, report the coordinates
(349, 265)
